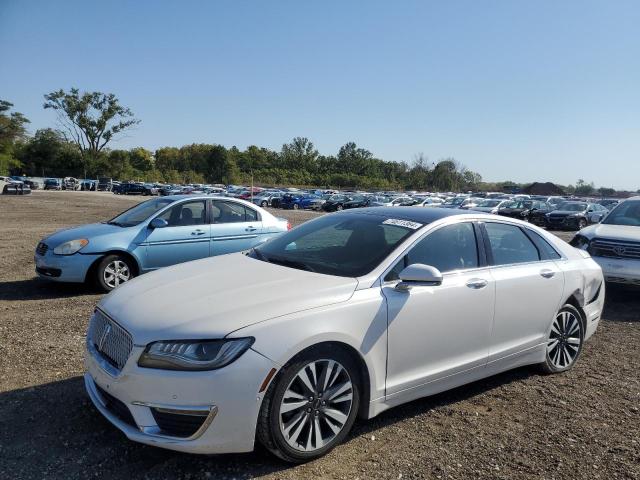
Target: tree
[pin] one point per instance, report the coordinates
(584, 188)
(90, 119)
(12, 130)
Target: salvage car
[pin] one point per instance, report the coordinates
(154, 234)
(615, 243)
(575, 215)
(346, 315)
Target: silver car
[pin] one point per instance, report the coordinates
(615, 243)
(344, 316)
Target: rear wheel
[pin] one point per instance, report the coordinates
(296, 206)
(339, 207)
(582, 223)
(565, 340)
(263, 204)
(311, 406)
(112, 271)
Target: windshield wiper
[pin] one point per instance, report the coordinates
(285, 262)
(118, 224)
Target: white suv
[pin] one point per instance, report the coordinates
(615, 243)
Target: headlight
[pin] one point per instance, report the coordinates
(193, 354)
(71, 247)
(580, 241)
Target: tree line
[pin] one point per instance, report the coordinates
(89, 121)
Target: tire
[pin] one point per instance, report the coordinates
(565, 340)
(122, 269)
(296, 206)
(263, 204)
(339, 207)
(292, 435)
(582, 223)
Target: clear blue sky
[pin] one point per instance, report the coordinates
(539, 90)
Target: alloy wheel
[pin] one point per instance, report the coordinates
(115, 273)
(316, 405)
(565, 340)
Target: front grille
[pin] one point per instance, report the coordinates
(42, 248)
(178, 424)
(601, 247)
(110, 339)
(117, 407)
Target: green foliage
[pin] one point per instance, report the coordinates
(12, 131)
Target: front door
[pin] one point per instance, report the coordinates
(185, 238)
(439, 331)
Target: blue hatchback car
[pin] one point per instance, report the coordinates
(154, 234)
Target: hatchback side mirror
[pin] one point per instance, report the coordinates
(419, 274)
(158, 223)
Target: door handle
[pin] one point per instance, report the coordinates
(477, 283)
(250, 229)
(546, 273)
(197, 232)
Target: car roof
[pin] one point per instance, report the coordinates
(414, 214)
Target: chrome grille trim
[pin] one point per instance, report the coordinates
(601, 247)
(109, 339)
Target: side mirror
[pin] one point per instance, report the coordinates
(158, 223)
(419, 274)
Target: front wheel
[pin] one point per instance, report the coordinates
(311, 406)
(339, 207)
(263, 204)
(112, 271)
(564, 343)
(582, 223)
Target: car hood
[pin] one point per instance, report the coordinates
(613, 232)
(211, 298)
(90, 232)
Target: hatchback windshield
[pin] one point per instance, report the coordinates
(572, 207)
(627, 213)
(140, 212)
(342, 245)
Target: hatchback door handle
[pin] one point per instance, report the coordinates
(546, 273)
(197, 232)
(477, 283)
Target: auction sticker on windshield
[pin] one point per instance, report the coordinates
(402, 223)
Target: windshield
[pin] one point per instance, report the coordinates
(572, 207)
(455, 201)
(627, 213)
(342, 245)
(140, 212)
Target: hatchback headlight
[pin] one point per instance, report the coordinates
(71, 247)
(194, 354)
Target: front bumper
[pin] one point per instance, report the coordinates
(229, 394)
(562, 222)
(617, 270)
(64, 268)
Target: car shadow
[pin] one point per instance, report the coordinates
(622, 304)
(53, 430)
(39, 289)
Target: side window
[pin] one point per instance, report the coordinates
(510, 245)
(546, 250)
(186, 213)
(232, 212)
(449, 248)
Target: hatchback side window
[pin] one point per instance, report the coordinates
(449, 248)
(185, 214)
(510, 245)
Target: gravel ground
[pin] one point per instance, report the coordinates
(582, 424)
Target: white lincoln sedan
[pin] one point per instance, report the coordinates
(344, 316)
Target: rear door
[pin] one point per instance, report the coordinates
(529, 288)
(234, 227)
(185, 238)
